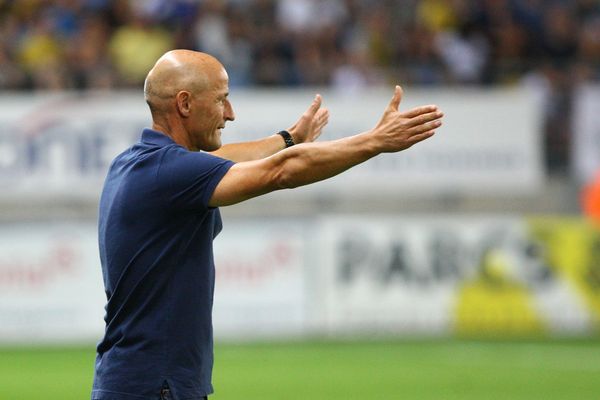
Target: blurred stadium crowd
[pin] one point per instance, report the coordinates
(345, 44)
(103, 43)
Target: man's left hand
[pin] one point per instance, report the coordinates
(311, 123)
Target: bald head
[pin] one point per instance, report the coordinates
(187, 92)
(179, 70)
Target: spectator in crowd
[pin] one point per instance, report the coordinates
(40, 53)
(135, 46)
(87, 58)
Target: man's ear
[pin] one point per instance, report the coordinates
(183, 103)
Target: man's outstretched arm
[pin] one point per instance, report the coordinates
(313, 162)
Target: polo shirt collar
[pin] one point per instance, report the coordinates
(157, 138)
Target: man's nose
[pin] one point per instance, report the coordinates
(229, 114)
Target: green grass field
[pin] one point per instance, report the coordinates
(445, 369)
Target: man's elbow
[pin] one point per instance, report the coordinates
(285, 180)
(288, 173)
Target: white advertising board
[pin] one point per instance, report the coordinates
(61, 145)
(50, 283)
(441, 275)
(261, 279)
(337, 275)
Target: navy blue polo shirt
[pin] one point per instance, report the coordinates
(155, 236)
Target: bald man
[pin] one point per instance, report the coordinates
(159, 214)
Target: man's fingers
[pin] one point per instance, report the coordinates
(316, 104)
(425, 127)
(415, 112)
(397, 98)
(424, 118)
(322, 117)
(421, 136)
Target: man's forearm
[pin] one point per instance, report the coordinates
(249, 151)
(296, 166)
(312, 162)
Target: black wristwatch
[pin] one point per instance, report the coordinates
(289, 141)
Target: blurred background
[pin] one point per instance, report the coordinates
(485, 237)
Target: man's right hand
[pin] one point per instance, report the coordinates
(397, 130)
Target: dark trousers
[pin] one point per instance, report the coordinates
(165, 394)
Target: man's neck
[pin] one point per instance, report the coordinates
(174, 130)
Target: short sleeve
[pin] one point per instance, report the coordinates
(186, 179)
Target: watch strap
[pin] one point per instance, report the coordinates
(289, 141)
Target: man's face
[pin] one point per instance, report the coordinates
(211, 110)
